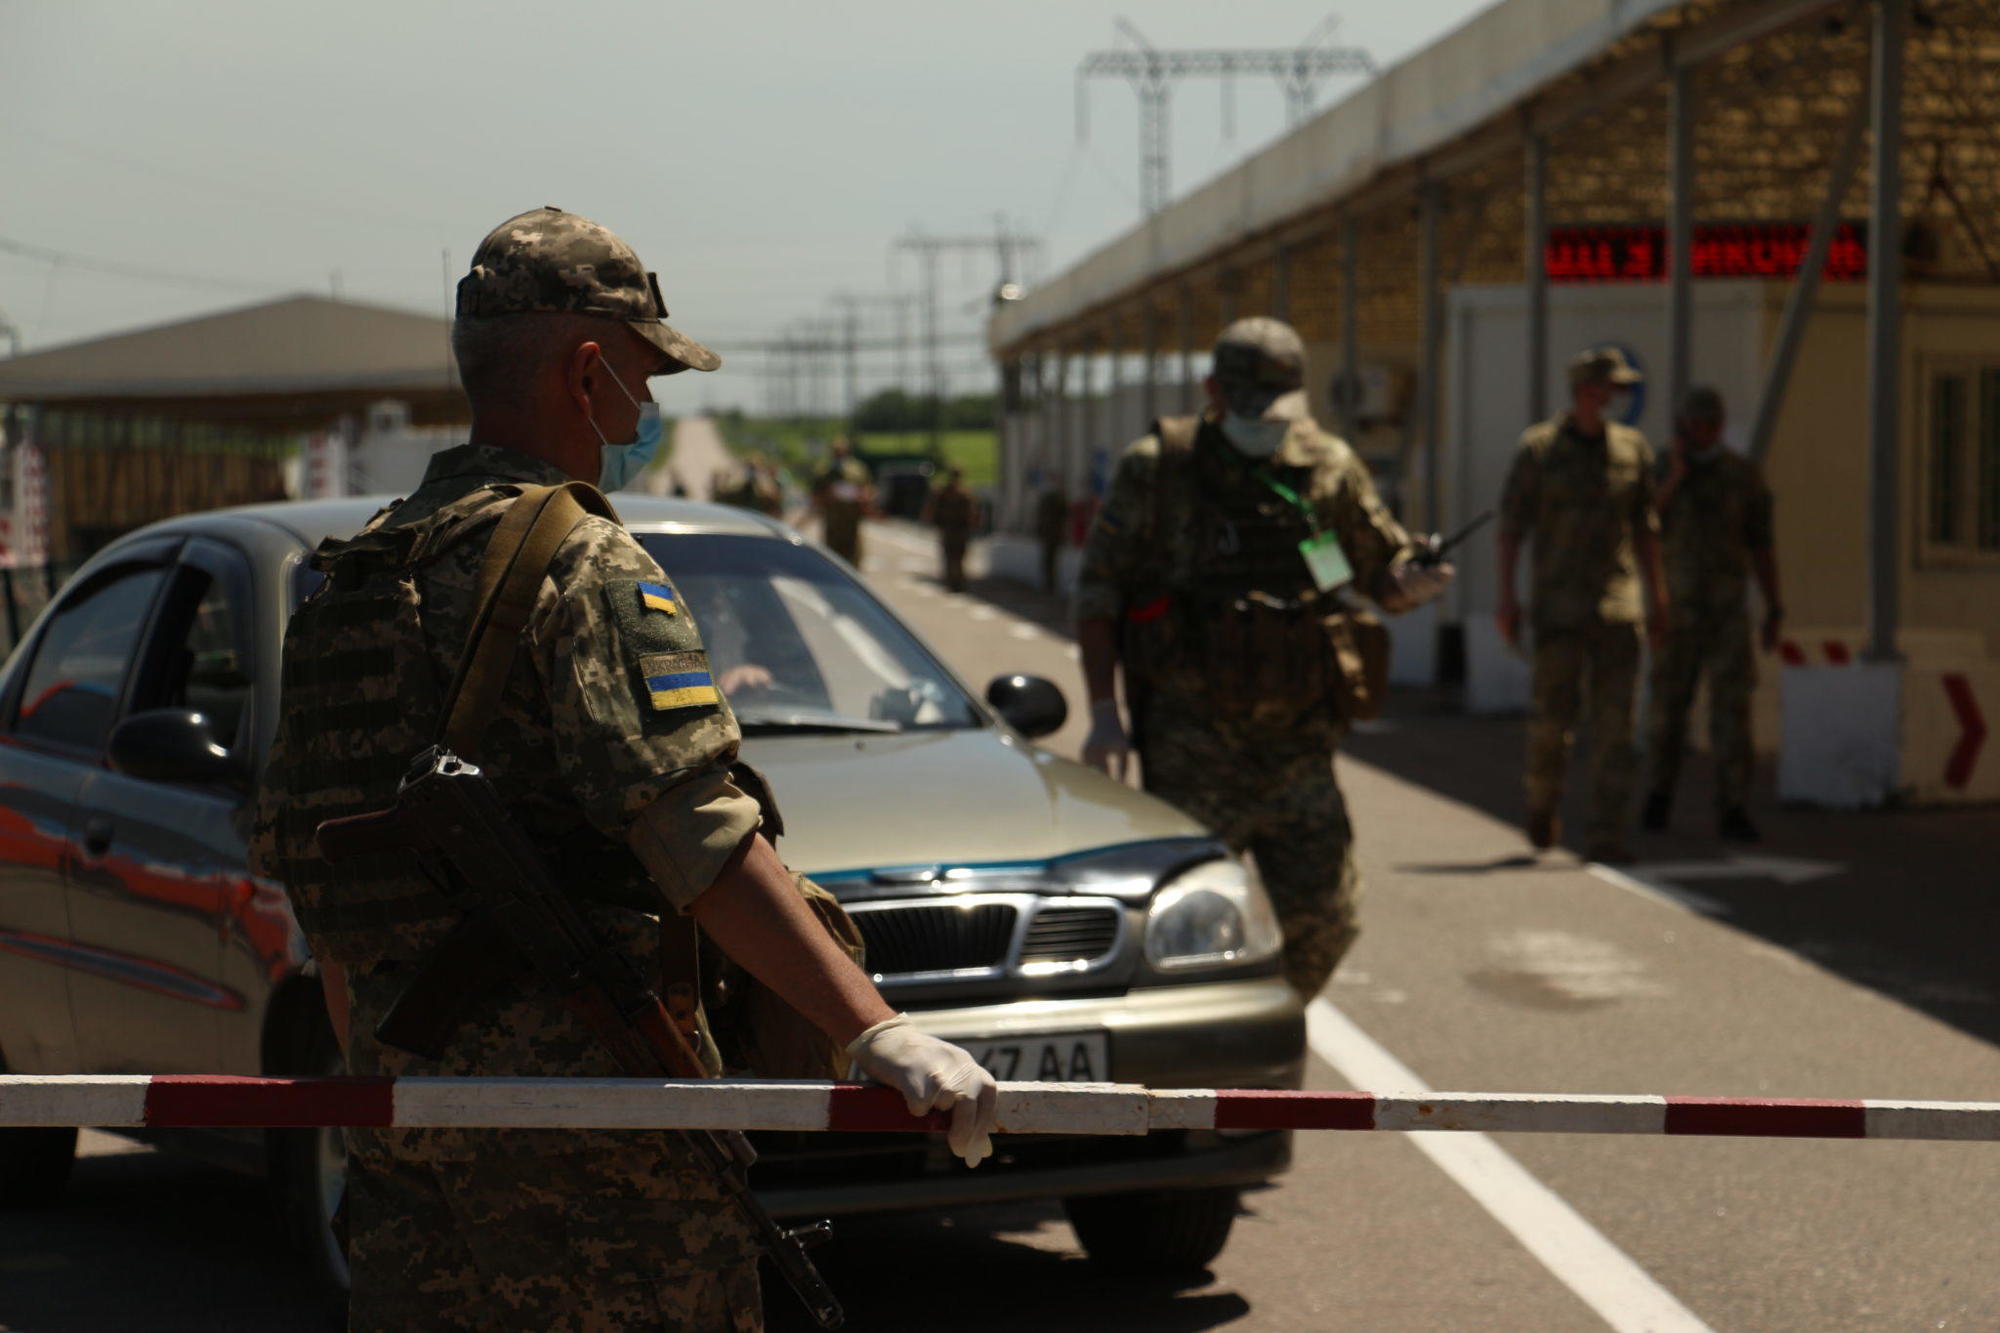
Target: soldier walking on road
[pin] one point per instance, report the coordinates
(955, 511)
(841, 495)
(1715, 520)
(1581, 490)
(1213, 576)
(609, 743)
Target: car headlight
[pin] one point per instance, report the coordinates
(1214, 914)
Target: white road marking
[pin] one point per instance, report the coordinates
(1601, 1275)
(1664, 892)
(1785, 869)
(1025, 631)
(983, 613)
(1575, 967)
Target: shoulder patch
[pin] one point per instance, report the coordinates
(651, 616)
(659, 597)
(679, 680)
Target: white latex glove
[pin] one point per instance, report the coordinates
(1417, 584)
(1106, 747)
(933, 1075)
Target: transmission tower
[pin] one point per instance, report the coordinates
(1011, 249)
(1152, 72)
(902, 305)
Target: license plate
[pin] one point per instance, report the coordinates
(1069, 1057)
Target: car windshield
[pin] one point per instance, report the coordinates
(797, 645)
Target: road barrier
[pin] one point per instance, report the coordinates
(206, 1101)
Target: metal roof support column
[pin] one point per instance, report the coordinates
(1536, 261)
(1430, 324)
(1111, 429)
(1151, 398)
(1085, 415)
(1349, 405)
(1799, 302)
(1680, 228)
(1187, 348)
(1281, 283)
(1055, 423)
(1885, 248)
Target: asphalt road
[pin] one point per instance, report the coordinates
(1479, 969)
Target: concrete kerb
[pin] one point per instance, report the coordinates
(211, 1101)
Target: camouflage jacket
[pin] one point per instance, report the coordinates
(1716, 519)
(1144, 543)
(1581, 501)
(603, 715)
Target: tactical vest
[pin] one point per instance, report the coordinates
(1234, 614)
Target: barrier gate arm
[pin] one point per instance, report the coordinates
(209, 1101)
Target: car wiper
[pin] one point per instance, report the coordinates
(765, 722)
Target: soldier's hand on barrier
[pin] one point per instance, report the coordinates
(1107, 748)
(933, 1075)
(1417, 582)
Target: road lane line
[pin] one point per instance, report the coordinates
(1600, 1275)
(1662, 891)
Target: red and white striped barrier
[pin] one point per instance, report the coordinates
(134, 1101)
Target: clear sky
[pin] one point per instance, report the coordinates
(761, 155)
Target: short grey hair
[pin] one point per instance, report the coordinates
(501, 357)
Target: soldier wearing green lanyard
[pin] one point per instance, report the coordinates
(1216, 576)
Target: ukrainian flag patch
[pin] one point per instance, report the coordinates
(658, 597)
(679, 680)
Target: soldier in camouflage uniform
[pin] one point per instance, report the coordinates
(1212, 577)
(611, 746)
(1715, 520)
(842, 495)
(954, 510)
(1581, 489)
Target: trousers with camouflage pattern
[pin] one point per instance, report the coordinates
(639, 1237)
(1275, 796)
(1592, 669)
(1718, 647)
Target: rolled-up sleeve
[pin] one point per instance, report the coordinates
(1113, 551)
(1520, 496)
(640, 726)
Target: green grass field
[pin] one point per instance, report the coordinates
(800, 447)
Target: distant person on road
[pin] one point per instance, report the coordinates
(954, 510)
(1051, 530)
(755, 487)
(1581, 490)
(1715, 521)
(841, 496)
(1215, 575)
(608, 741)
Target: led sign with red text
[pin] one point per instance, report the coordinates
(1721, 250)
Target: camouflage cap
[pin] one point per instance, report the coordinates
(1260, 366)
(1602, 365)
(549, 260)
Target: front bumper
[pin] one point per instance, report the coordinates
(1234, 1034)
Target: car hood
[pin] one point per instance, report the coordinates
(950, 798)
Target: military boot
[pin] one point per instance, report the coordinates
(1658, 812)
(1544, 829)
(1734, 825)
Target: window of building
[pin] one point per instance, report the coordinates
(1961, 463)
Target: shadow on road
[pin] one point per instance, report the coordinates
(983, 1269)
(1909, 906)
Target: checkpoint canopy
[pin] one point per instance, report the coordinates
(137, 426)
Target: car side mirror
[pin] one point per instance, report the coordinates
(1032, 706)
(171, 745)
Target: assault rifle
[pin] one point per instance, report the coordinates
(449, 817)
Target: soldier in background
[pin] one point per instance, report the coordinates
(623, 783)
(1581, 489)
(841, 495)
(955, 512)
(1715, 520)
(1051, 527)
(755, 487)
(1213, 577)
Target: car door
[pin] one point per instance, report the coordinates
(62, 696)
(158, 878)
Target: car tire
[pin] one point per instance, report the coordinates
(309, 1171)
(34, 1165)
(1159, 1232)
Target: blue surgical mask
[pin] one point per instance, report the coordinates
(619, 463)
(1254, 436)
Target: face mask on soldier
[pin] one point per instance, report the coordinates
(1253, 435)
(619, 463)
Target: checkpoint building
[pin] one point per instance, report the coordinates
(1797, 201)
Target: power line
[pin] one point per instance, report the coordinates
(117, 269)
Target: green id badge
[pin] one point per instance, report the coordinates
(1327, 561)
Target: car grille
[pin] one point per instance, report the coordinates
(943, 937)
(1070, 934)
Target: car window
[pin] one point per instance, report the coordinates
(202, 667)
(797, 644)
(71, 693)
